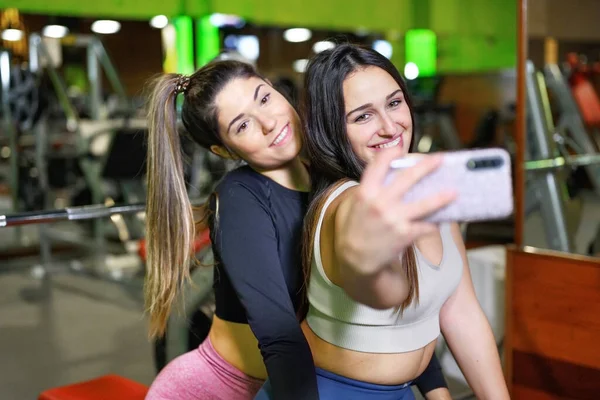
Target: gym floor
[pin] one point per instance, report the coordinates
(81, 327)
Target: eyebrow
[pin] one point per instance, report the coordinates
(256, 91)
(395, 92)
(233, 121)
(389, 96)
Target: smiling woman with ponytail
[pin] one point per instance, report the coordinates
(230, 110)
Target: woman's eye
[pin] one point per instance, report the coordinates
(362, 118)
(242, 127)
(265, 99)
(395, 103)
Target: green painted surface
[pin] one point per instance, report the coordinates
(207, 41)
(475, 53)
(184, 43)
(421, 49)
(131, 9)
(339, 14)
(421, 17)
(475, 35)
(471, 34)
(398, 49)
(474, 17)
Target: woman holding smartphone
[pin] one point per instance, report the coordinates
(382, 280)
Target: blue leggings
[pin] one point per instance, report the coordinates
(334, 387)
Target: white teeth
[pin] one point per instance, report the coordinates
(389, 144)
(281, 136)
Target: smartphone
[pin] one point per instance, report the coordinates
(481, 178)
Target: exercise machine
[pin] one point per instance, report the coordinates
(570, 134)
(548, 162)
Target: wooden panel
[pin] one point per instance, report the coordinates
(519, 188)
(555, 339)
(553, 324)
(520, 122)
(558, 378)
(524, 393)
(556, 307)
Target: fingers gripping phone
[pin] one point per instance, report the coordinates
(481, 178)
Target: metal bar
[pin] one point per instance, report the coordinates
(557, 163)
(95, 104)
(41, 157)
(111, 72)
(94, 80)
(548, 191)
(37, 46)
(93, 211)
(5, 76)
(543, 147)
(68, 214)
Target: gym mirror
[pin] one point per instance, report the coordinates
(562, 203)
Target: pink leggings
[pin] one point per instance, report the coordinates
(202, 374)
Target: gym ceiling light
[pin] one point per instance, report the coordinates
(383, 47)
(248, 46)
(12, 35)
(322, 46)
(297, 35)
(300, 65)
(411, 71)
(159, 22)
(106, 27)
(222, 20)
(55, 31)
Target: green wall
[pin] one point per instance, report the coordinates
(475, 34)
(472, 35)
(131, 9)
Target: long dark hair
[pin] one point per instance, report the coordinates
(332, 158)
(170, 225)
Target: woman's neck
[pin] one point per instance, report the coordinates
(293, 175)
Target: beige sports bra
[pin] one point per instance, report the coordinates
(338, 319)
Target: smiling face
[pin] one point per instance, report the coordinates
(258, 124)
(377, 116)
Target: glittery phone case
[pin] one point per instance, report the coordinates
(481, 178)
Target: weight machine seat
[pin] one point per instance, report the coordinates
(111, 387)
(126, 157)
(485, 132)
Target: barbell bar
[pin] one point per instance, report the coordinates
(93, 211)
(581, 160)
(101, 211)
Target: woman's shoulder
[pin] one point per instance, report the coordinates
(242, 183)
(244, 177)
(336, 195)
